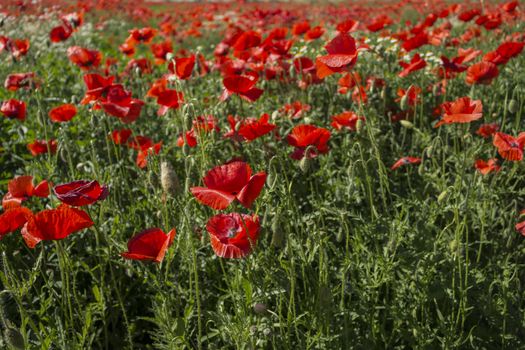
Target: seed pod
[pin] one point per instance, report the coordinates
(513, 106)
(168, 179)
(14, 338)
(406, 124)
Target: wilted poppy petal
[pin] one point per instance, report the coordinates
(80, 193)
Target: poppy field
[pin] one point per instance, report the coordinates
(258, 175)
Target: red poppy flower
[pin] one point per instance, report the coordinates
(404, 161)
(17, 81)
(379, 23)
(247, 40)
(225, 183)
(415, 64)
(142, 156)
(415, 41)
(346, 26)
(295, 109)
(485, 167)
(183, 67)
(487, 130)
(348, 81)
(482, 73)
(509, 147)
(251, 128)
(63, 113)
(342, 56)
(187, 138)
(303, 136)
(412, 94)
(303, 65)
(17, 47)
(450, 67)
(128, 47)
(346, 120)
(97, 86)
(463, 110)
(467, 55)
(14, 109)
(300, 28)
(504, 52)
(121, 136)
(161, 50)
(84, 58)
(169, 99)
(12, 219)
(520, 227)
(314, 33)
(80, 193)
(54, 224)
(42, 146)
(468, 15)
(117, 101)
(22, 187)
(140, 64)
(242, 85)
(143, 35)
(60, 33)
(234, 235)
(149, 245)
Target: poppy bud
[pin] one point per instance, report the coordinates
(14, 338)
(62, 153)
(305, 163)
(187, 122)
(359, 125)
(170, 56)
(453, 245)
(421, 169)
(168, 179)
(442, 196)
(277, 233)
(260, 308)
(275, 115)
(383, 93)
(339, 236)
(271, 176)
(435, 90)
(238, 126)
(403, 104)
(513, 106)
(429, 151)
(406, 124)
